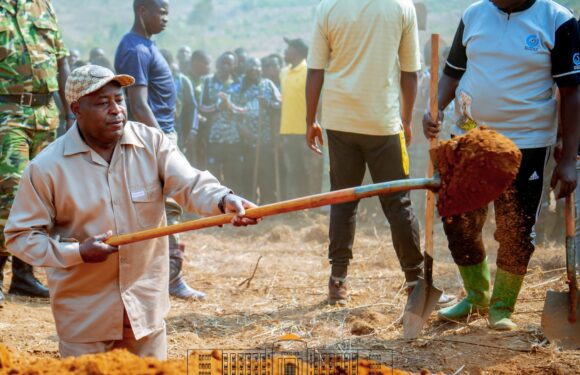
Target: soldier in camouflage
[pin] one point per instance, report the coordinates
(33, 66)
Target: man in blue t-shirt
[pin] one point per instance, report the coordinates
(152, 98)
(151, 101)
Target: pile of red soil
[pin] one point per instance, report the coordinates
(475, 169)
(116, 362)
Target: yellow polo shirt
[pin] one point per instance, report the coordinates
(293, 83)
(363, 45)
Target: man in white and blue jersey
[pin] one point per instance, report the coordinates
(505, 59)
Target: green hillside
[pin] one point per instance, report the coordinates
(218, 25)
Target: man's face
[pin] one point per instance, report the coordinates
(184, 53)
(102, 115)
(184, 56)
(509, 5)
(73, 57)
(242, 57)
(201, 66)
(254, 69)
(271, 68)
(226, 64)
(290, 55)
(155, 16)
(96, 53)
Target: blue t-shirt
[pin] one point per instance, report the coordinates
(140, 58)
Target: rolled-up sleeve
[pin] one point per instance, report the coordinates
(196, 191)
(29, 223)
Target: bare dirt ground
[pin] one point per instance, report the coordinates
(287, 295)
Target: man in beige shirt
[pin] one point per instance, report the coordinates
(107, 176)
(366, 53)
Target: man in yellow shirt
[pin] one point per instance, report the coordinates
(295, 158)
(367, 55)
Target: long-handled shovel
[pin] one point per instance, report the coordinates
(298, 204)
(560, 320)
(424, 297)
(463, 149)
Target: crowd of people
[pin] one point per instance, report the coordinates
(236, 104)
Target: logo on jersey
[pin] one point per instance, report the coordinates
(532, 43)
(576, 60)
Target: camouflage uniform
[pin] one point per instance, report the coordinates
(30, 45)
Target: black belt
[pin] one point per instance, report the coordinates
(27, 99)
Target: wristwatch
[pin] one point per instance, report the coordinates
(222, 202)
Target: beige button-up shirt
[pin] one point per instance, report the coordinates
(69, 191)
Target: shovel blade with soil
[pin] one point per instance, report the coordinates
(560, 318)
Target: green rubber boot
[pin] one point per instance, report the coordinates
(476, 283)
(505, 294)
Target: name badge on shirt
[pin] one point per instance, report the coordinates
(138, 194)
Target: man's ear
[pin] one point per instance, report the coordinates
(142, 10)
(75, 108)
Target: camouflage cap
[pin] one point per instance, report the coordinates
(87, 79)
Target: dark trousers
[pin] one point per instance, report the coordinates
(225, 162)
(386, 158)
(516, 212)
(265, 185)
(302, 169)
(202, 146)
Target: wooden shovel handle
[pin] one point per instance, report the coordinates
(434, 111)
(571, 255)
(311, 201)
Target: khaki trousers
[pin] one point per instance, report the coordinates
(154, 345)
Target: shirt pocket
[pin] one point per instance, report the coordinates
(148, 203)
(47, 34)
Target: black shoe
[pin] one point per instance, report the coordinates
(24, 283)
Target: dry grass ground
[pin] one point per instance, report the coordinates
(288, 292)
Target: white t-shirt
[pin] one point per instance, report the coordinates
(508, 65)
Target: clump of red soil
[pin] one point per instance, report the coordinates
(361, 328)
(475, 169)
(114, 362)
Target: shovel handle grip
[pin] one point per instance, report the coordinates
(571, 255)
(311, 201)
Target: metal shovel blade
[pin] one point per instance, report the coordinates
(555, 322)
(419, 307)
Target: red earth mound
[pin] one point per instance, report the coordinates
(475, 169)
